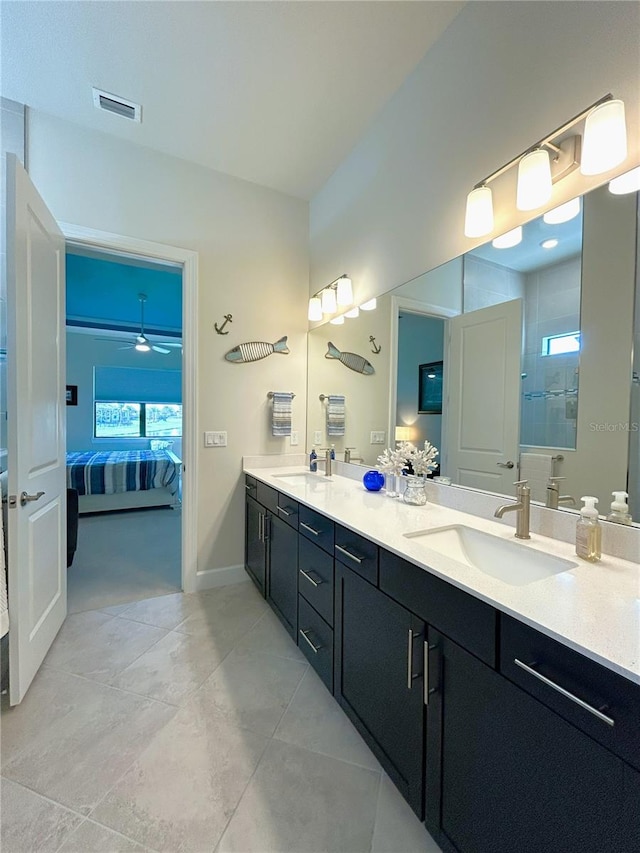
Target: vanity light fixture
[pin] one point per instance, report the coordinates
(370, 305)
(326, 301)
(344, 291)
(315, 308)
(552, 158)
(551, 243)
(355, 312)
(627, 183)
(508, 240)
(563, 213)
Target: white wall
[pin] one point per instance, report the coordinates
(501, 76)
(253, 263)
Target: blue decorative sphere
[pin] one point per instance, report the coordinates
(373, 481)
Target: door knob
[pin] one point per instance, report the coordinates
(25, 498)
(508, 464)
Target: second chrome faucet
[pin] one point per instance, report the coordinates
(522, 506)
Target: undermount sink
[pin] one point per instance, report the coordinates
(301, 478)
(510, 562)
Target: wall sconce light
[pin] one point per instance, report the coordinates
(403, 433)
(627, 183)
(604, 146)
(326, 301)
(315, 308)
(344, 291)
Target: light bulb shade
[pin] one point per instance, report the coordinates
(478, 219)
(534, 180)
(355, 312)
(605, 138)
(370, 305)
(338, 321)
(328, 300)
(403, 433)
(627, 183)
(315, 309)
(344, 291)
(511, 238)
(563, 213)
(143, 347)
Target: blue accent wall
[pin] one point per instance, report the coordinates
(104, 293)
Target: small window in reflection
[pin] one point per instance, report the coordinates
(560, 344)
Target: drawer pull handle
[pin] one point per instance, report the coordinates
(310, 579)
(348, 554)
(596, 713)
(248, 487)
(315, 648)
(411, 677)
(284, 511)
(310, 529)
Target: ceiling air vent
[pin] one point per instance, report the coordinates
(117, 105)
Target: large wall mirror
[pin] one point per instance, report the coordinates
(534, 342)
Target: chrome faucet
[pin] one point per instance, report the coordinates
(347, 453)
(554, 498)
(327, 461)
(521, 506)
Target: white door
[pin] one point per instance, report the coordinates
(483, 381)
(37, 570)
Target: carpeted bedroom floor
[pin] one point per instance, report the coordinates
(123, 557)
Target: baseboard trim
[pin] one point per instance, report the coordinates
(211, 578)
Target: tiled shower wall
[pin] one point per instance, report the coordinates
(550, 383)
(13, 141)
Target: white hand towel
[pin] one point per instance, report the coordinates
(281, 417)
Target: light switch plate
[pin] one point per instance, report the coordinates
(377, 437)
(215, 438)
(294, 438)
(317, 437)
(208, 439)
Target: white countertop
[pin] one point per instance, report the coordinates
(594, 608)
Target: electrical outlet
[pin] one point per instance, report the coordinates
(377, 437)
(317, 437)
(294, 438)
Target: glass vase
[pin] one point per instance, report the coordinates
(415, 494)
(390, 485)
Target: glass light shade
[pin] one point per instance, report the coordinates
(315, 308)
(478, 219)
(605, 138)
(344, 292)
(353, 313)
(328, 300)
(534, 180)
(551, 243)
(627, 183)
(338, 321)
(143, 347)
(563, 213)
(511, 238)
(370, 305)
(403, 433)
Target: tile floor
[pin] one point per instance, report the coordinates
(190, 723)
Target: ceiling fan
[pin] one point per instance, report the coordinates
(142, 342)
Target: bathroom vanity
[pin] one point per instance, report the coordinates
(506, 713)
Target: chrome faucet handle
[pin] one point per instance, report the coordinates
(553, 480)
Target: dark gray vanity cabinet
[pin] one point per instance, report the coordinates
(255, 543)
(379, 678)
(282, 586)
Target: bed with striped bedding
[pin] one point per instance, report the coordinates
(112, 472)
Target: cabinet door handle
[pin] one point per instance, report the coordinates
(266, 527)
(310, 579)
(260, 527)
(411, 677)
(310, 529)
(348, 554)
(315, 648)
(427, 691)
(284, 511)
(597, 713)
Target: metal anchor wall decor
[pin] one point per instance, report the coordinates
(374, 348)
(228, 318)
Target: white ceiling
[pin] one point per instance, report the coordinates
(273, 92)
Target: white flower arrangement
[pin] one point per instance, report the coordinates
(421, 461)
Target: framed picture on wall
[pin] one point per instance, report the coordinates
(430, 388)
(72, 395)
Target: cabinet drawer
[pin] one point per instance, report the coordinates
(268, 497)
(316, 527)
(251, 486)
(358, 553)
(315, 578)
(287, 510)
(315, 639)
(466, 620)
(575, 687)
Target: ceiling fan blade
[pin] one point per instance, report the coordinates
(160, 349)
(166, 344)
(129, 346)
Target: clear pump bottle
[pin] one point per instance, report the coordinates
(619, 509)
(589, 531)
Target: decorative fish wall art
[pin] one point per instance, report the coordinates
(350, 359)
(256, 350)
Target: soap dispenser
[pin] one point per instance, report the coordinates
(313, 460)
(589, 531)
(619, 509)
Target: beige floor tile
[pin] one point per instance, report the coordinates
(71, 739)
(172, 669)
(100, 646)
(31, 824)
(269, 637)
(315, 721)
(225, 614)
(397, 829)
(182, 791)
(164, 611)
(304, 802)
(251, 691)
(90, 837)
